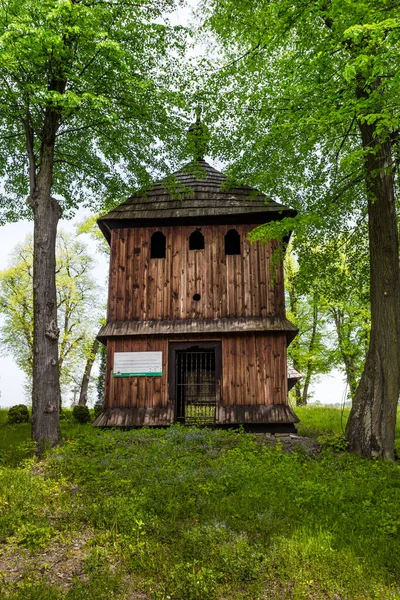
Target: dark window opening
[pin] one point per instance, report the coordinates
(157, 248)
(196, 297)
(232, 242)
(196, 240)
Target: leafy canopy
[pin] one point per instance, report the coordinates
(288, 91)
(111, 68)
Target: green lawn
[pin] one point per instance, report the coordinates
(190, 514)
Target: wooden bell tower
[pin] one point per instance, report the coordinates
(196, 329)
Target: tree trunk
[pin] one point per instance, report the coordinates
(46, 385)
(46, 395)
(311, 345)
(343, 343)
(371, 425)
(304, 397)
(86, 374)
(297, 393)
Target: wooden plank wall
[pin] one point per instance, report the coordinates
(249, 285)
(253, 372)
(136, 392)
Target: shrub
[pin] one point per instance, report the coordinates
(18, 414)
(98, 408)
(81, 414)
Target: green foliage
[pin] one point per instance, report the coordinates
(18, 414)
(335, 442)
(98, 408)
(79, 309)
(286, 94)
(312, 352)
(328, 300)
(81, 414)
(185, 513)
(109, 71)
(102, 375)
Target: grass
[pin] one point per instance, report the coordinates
(195, 514)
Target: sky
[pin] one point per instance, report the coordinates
(329, 390)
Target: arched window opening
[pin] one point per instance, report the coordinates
(232, 242)
(157, 246)
(196, 240)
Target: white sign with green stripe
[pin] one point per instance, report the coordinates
(137, 364)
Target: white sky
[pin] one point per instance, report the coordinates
(330, 390)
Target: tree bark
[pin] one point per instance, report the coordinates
(348, 359)
(371, 425)
(87, 372)
(46, 395)
(297, 390)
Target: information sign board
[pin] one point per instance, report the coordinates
(137, 364)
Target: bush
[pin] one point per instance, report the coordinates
(81, 414)
(18, 414)
(98, 408)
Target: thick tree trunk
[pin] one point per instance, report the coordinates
(87, 372)
(46, 387)
(371, 425)
(46, 395)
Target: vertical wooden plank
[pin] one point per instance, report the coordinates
(280, 303)
(145, 245)
(241, 395)
(121, 274)
(164, 378)
(215, 270)
(261, 368)
(190, 281)
(112, 283)
(281, 369)
(233, 365)
(247, 282)
(230, 286)
(136, 276)
(184, 313)
(223, 275)
(108, 387)
(166, 283)
(255, 296)
(151, 299)
(253, 373)
(262, 278)
(128, 291)
(226, 372)
(115, 381)
(176, 275)
(268, 369)
(208, 282)
(239, 278)
(201, 276)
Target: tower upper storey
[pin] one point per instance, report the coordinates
(195, 195)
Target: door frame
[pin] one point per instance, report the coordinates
(172, 349)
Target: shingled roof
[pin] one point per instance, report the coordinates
(195, 194)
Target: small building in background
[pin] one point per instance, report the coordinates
(196, 328)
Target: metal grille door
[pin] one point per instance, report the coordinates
(196, 388)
